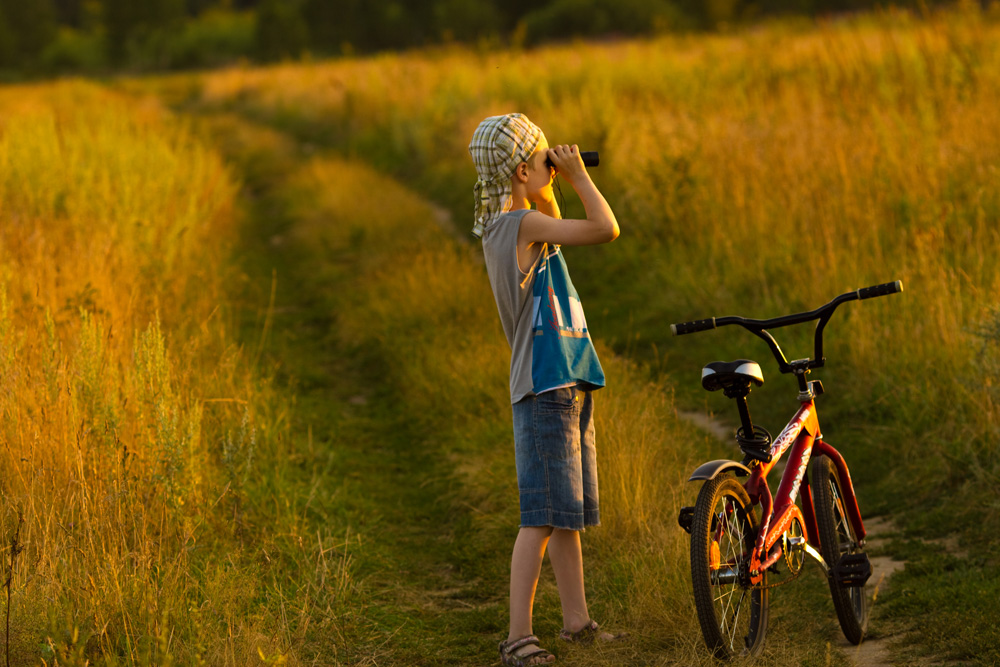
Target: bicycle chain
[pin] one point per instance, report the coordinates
(795, 576)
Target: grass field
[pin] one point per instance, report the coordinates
(129, 409)
(251, 414)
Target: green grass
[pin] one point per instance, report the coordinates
(401, 402)
(757, 173)
(306, 372)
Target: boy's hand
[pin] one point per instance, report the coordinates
(568, 162)
(600, 225)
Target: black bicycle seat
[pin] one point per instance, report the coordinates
(721, 374)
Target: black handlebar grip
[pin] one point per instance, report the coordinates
(590, 159)
(691, 327)
(880, 290)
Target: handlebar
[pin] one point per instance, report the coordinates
(880, 290)
(759, 327)
(691, 327)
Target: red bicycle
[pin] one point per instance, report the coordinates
(736, 549)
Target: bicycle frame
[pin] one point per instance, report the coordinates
(731, 552)
(800, 437)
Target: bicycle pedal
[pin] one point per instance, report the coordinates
(685, 517)
(852, 570)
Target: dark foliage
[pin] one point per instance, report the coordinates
(59, 35)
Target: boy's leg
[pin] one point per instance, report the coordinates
(566, 556)
(525, 567)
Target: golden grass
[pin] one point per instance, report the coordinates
(122, 388)
(757, 173)
(424, 304)
(762, 171)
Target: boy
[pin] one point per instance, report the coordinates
(554, 367)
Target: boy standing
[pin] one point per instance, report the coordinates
(554, 367)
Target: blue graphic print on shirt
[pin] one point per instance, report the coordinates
(562, 352)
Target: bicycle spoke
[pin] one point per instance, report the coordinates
(736, 618)
(731, 531)
(733, 614)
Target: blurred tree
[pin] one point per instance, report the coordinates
(29, 28)
(281, 30)
(8, 49)
(121, 17)
(144, 33)
(467, 20)
(197, 7)
(565, 19)
(397, 23)
(336, 27)
(129, 25)
(69, 12)
(162, 13)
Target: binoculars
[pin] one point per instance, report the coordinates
(590, 159)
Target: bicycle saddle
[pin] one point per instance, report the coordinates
(721, 374)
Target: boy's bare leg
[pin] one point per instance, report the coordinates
(525, 567)
(566, 556)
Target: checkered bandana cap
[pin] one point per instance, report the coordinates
(498, 145)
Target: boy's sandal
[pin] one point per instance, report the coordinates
(588, 633)
(509, 657)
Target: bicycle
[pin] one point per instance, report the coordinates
(733, 548)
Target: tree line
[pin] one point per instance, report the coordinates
(47, 36)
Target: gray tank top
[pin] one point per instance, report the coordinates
(514, 302)
(541, 313)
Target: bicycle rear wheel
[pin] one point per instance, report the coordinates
(837, 539)
(732, 614)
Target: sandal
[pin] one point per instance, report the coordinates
(508, 652)
(588, 634)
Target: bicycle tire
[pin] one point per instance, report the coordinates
(732, 614)
(837, 538)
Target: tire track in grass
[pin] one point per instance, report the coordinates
(421, 596)
(393, 455)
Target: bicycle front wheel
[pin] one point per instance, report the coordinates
(838, 539)
(732, 614)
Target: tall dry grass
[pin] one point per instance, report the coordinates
(417, 302)
(130, 417)
(757, 173)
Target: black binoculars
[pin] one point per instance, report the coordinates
(590, 159)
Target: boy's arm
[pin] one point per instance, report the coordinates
(544, 226)
(549, 206)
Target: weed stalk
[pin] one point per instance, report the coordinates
(15, 549)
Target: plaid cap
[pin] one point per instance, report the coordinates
(498, 145)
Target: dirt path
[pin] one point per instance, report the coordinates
(875, 651)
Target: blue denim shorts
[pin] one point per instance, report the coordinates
(556, 459)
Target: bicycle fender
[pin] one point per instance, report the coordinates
(712, 469)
